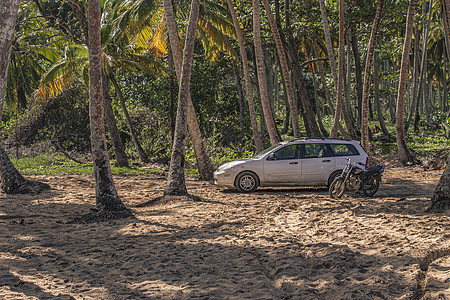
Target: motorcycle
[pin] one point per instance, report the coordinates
(356, 178)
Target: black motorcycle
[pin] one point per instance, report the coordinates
(355, 178)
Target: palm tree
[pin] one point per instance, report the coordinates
(268, 117)
(108, 203)
(285, 69)
(405, 154)
(11, 181)
(337, 114)
(329, 44)
(365, 97)
(204, 163)
(248, 83)
(176, 182)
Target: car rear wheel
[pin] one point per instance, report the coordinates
(333, 176)
(247, 182)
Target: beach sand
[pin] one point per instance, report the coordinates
(276, 243)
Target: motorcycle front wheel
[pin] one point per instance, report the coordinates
(337, 188)
(371, 186)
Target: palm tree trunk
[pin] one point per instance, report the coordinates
(11, 181)
(405, 154)
(378, 107)
(248, 84)
(142, 155)
(204, 163)
(285, 69)
(337, 115)
(366, 86)
(119, 149)
(329, 44)
(271, 127)
(358, 72)
(171, 91)
(107, 198)
(176, 184)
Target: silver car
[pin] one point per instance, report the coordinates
(298, 162)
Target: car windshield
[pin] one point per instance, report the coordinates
(261, 154)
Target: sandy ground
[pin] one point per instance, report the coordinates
(277, 243)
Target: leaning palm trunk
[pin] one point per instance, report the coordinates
(11, 182)
(337, 114)
(366, 86)
(204, 163)
(329, 44)
(176, 182)
(285, 69)
(271, 127)
(142, 155)
(248, 83)
(405, 154)
(107, 199)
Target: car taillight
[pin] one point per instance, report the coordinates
(367, 162)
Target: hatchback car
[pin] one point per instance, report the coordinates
(298, 162)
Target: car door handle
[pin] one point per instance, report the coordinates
(326, 160)
(293, 163)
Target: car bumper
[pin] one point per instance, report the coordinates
(225, 178)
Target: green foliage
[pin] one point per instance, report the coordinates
(53, 164)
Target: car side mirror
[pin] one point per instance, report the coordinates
(271, 156)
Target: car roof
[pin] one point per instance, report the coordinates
(320, 140)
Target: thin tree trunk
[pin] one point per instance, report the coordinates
(271, 127)
(142, 155)
(284, 68)
(171, 91)
(204, 163)
(248, 84)
(337, 115)
(378, 106)
(358, 72)
(176, 184)
(237, 79)
(365, 98)
(119, 149)
(107, 198)
(317, 104)
(329, 44)
(405, 154)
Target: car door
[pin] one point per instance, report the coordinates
(283, 166)
(318, 162)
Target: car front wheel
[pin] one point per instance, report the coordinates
(247, 182)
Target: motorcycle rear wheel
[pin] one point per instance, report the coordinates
(371, 187)
(337, 188)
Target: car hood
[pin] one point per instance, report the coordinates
(234, 163)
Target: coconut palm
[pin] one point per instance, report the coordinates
(248, 84)
(108, 202)
(284, 68)
(339, 102)
(365, 97)
(268, 117)
(405, 154)
(176, 182)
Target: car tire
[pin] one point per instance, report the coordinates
(333, 177)
(247, 182)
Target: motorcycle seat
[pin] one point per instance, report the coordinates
(372, 170)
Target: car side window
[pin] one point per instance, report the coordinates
(343, 149)
(317, 151)
(288, 152)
